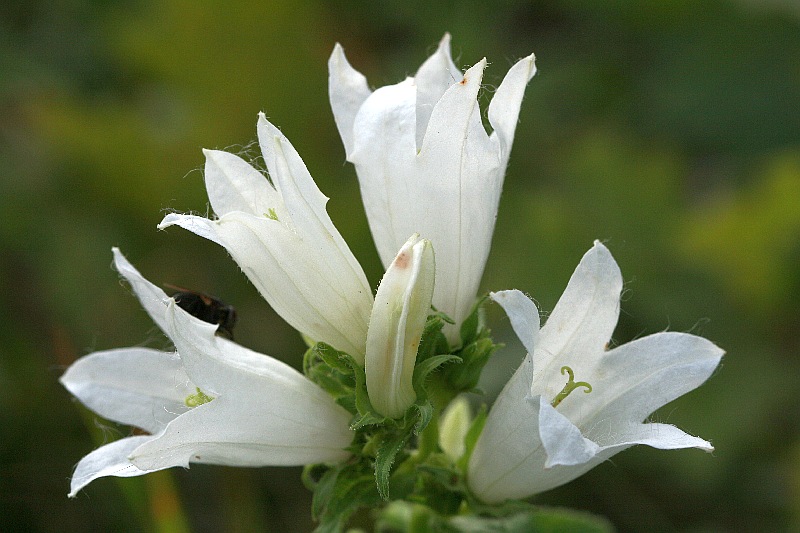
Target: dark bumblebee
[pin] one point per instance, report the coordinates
(206, 308)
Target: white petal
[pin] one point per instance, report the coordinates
(509, 458)
(504, 108)
(234, 432)
(308, 286)
(570, 457)
(137, 386)
(219, 366)
(234, 185)
(348, 90)
(433, 78)
(109, 460)
(263, 413)
(301, 196)
(299, 262)
(384, 154)
(562, 439)
(509, 454)
(458, 190)
(426, 165)
(303, 286)
(633, 380)
(153, 299)
(577, 330)
(522, 313)
(200, 226)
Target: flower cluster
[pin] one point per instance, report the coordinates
(377, 406)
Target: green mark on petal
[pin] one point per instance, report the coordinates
(193, 400)
(271, 214)
(569, 387)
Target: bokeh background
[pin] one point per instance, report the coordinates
(670, 130)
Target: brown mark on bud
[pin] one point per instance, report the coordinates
(401, 261)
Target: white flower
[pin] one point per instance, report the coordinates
(402, 305)
(426, 164)
(283, 239)
(546, 429)
(248, 409)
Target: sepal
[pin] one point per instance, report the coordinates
(477, 347)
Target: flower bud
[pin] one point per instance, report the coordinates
(398, 318)
(453, 428)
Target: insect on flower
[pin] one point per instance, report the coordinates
(207, 308)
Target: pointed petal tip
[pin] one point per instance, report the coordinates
(211, 155)
(523, 314)
(598, 247)
(601, 255)
(121, 263)
(444, 44)
(170, 219)
(336, 58)
(499, 295)
(480, 64)
(531, 63)
(474, 75)
(341, 71)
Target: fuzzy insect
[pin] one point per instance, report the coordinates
(206, 308)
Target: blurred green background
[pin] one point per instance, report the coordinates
(670, 130)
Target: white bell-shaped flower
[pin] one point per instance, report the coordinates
(213, 401)
(426, 165)
(573, 403)
(283, 239)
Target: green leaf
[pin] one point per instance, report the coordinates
(473, 324)
(385, 457)
(370, 418)
(341, 491)
(475, 355)
(422, 370)
(340, 361)
(425, 411)
(323, 491)
(433, 340)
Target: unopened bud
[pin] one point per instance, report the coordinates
(401, 308)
